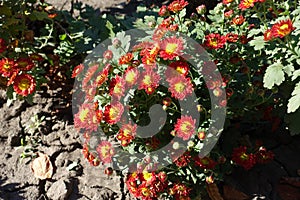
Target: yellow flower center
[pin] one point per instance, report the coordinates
(105, 150)
(113, 113)
(284, 26)
(284, 29)
(171, 48)
(248, 3)
(24, 84)
(130, 77)
(118, 88)
(181, 70)
(147, 80)
(213, 42)
(179, 87)
(186, 126)
(244, 156)
(205, 161)
(146, 192)
(83, 114)
(7, 66)
(147, 176)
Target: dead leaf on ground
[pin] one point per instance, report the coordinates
(213, 191)
(231, 193)
(42, 167)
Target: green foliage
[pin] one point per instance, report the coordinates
(274, 75)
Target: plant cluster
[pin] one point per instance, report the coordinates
(254, 46)
(40, 45)
(148, 102)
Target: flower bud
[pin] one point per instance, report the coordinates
(164, 11)
(194, 16)
(201, 10)
(116, 43)
(108, 55)
(108, 171)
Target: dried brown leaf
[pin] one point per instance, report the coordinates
(42, 167)
(213, 191)
(231, 193)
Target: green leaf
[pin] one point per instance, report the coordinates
(36, 15)
(294, 101)
(182, 13)
(289, 69)
(63, 36)
(253, 32)
(292, 121)
(258, 43)
(274, 75)
(296, 74)
(110, 27)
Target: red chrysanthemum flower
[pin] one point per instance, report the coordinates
(101, 77)
(177, 5)
(146, 185)
(180, 191)
(242, 158)
(105, 151)
(183, 160)
(86, 118)
(268, 35)
(166, 23)
(159, 33)
(171, 48)
(185, 127)
(227, 1)
(117, 87)
(282, 28)
(113, 113)
(24, 64)
(163, 11)
(126, 59)
(132, 183)
(149, 81)
(12, 77)
(108, 55)
(264, 156)
(131, 76)
(214, 41)
(180, 87)
(89, 75)
(205, 163)
(232, 37)
(90, 92)
(173, 27)
(238, 20)
(2, 45)
(177, 68)
(24, 84)
(148, 178)
(149, 54)
(7, 67)
(145, 192)
(228, 13)
(77, 70)
(244, 4)
(127, 134)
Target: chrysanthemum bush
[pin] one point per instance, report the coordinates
(40, 44)
(19, 61)
(145, 102)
